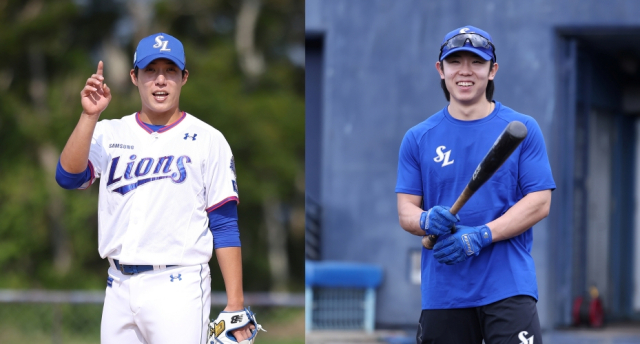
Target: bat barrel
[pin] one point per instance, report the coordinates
(517, 130)
(507, 142)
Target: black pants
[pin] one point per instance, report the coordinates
(513, 320)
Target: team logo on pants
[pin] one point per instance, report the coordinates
(523, 339)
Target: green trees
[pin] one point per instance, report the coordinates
(48, 236)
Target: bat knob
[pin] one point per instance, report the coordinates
(428, 241)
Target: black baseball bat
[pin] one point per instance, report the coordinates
(507, 142)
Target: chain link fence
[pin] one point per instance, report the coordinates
(74, 316)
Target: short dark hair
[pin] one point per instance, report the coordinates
(135, 71)
(490, 85)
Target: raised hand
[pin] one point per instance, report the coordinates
(96, 95)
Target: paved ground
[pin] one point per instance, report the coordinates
(612, 334)
(343, 337)
(619, 334)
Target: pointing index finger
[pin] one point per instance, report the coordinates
(100, 68)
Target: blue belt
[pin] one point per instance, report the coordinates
(133, 269)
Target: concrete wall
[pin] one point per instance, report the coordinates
(379, 80)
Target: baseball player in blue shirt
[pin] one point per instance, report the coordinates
(480, 282)
(167, 199)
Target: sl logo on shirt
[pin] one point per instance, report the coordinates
(443, 156)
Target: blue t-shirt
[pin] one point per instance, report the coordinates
(437, 159)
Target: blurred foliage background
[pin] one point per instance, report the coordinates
(246, 64)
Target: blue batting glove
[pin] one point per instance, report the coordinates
(438, 221)
(457, 247)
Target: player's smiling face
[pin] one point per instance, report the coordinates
(159, 84)
(466, 76)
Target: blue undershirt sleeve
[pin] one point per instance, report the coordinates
(71, 181)
(223, 223)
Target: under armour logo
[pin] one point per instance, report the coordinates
(161, 43)
(523, 339)
(443, 156)
(186, 136)
(236, 319)
(179, 277)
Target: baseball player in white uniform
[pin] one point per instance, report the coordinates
(168, 196)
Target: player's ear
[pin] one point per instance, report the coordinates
(185, 75)
(493, 71)
(440, 69)
(134, 80)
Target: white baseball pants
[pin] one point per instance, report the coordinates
(169, 306)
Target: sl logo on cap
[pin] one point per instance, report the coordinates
(161, 43)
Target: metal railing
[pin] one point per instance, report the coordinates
(269, 299)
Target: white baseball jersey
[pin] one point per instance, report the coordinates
(157, 187)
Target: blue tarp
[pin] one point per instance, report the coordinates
(342, 274)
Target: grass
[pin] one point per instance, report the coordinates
(80, 324)
(283, 325)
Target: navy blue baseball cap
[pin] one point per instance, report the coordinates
(157, 46)
(468, 38)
